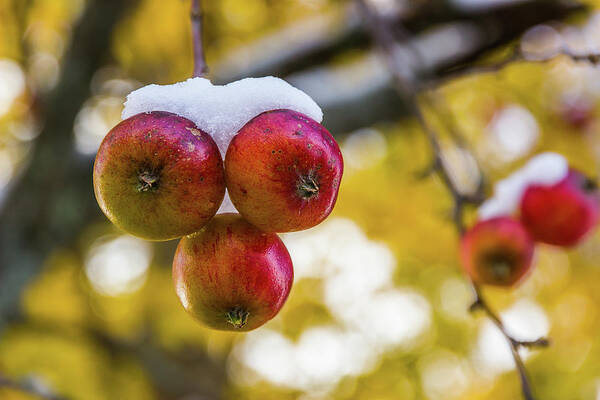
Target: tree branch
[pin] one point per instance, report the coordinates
(200, 66)
(515, 55)
(481, 304)
(384, 39)
(318, 40)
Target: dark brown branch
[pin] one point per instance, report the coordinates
(481, 304)
(386, 42)
(515, 55)
(303, 52)
(30, 387)
(282, 53)
(407, 88)
(438, 102)
(515, 345)
(200, 66)
(460, 199)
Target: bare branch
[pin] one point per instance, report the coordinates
(407, 88)
(382, 33)
(515, 55)
(317, 40)
(200, 66)
(445, 115)
(481, 304)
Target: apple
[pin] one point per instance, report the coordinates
(283, 171)
(561, 214)
(231, 275)
(157, 176)
(497, 251)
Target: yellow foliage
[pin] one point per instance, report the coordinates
(56, 296)
(60, 339)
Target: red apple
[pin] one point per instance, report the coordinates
(283, 171)
(497, 251)
(158, 176)
(561, 214)
(231, 275)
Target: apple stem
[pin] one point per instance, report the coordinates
(200, 66)
(237, 317)
(147, 181)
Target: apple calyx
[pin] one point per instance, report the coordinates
(237, 317)
(500, 265)
(148, 181)
(308, 187)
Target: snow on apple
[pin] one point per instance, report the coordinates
(545, 169)
(221, 110)
(159, 174)
(557, 204)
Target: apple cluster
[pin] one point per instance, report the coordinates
(559, 208)
(159, 176)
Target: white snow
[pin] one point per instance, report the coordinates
(545, 169)
(219, 110)
(227, 205)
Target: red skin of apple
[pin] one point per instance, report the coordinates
(561, 214)
(231, 275)
(157, 176)
(283, 171)
(497, 251)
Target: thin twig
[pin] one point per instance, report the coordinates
(515, 55)
(515, 345)
(460, 199)
(200, 66)
(385, 40)
(438, 102)
(407, 88)
(30, 387)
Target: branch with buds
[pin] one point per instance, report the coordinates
(384, 38)
(515, 55)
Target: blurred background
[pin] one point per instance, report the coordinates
(379, 308)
